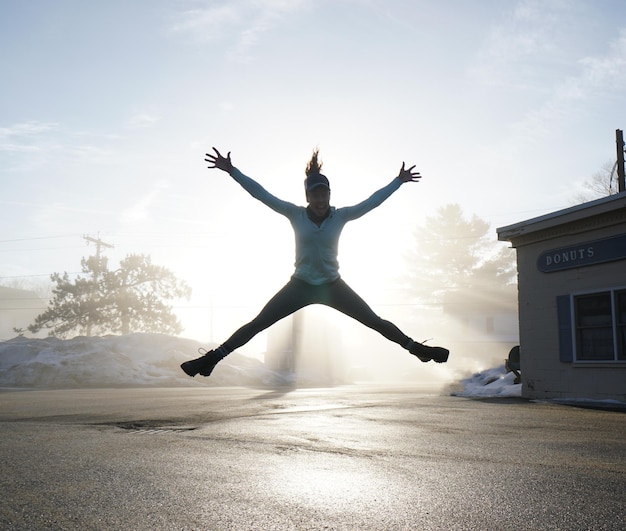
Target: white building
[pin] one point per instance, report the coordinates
(18, 309)
(572, 300)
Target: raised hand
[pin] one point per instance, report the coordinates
(219, 162)
(408, 175)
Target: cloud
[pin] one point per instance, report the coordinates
(24, 137)
(29, 145)
(139, 211)
(26, 129)
(143, 120)
(531, 48)
(246, 20)
(210, 23)
(536, 55)
(608, 70)
(598, 76)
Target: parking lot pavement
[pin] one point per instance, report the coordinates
(354, 457)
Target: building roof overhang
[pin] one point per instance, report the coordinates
(602, 212)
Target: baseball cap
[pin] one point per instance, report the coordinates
(314, 180)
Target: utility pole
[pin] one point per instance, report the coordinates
(99, 245)
(619, 140)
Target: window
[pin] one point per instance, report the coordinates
(600, 326)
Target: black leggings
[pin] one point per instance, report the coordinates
(297, 294)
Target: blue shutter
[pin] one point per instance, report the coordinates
(564, 316)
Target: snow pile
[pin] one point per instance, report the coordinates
(494, 382)
(118, 361)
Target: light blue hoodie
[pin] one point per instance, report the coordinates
(316, 247)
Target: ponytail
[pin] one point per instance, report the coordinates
(315, 164)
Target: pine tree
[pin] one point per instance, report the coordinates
(452, 252)
(130, 299)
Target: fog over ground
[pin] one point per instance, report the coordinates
(137, 360)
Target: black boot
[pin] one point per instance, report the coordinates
(426, 353)
(203, 365)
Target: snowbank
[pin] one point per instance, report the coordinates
(494, 382)
(118, 361)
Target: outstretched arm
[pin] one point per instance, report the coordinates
(220, 162)
(251, 186)
(377, 198)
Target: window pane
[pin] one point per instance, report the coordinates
(594, 310)
(620, 305)
(594, 327)
(595, 344)
(621, 342)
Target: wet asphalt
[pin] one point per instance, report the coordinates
(358, 457)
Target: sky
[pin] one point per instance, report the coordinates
(107, 108)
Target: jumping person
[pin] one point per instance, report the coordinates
(316, 278)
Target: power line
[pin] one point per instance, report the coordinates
(40, 275)
(38, 238)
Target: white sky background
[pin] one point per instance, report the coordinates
(107, 109)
